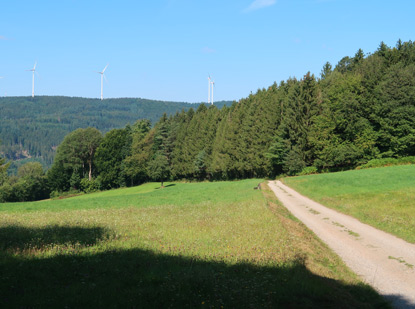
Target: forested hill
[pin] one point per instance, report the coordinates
(361, 109)
(33, 127)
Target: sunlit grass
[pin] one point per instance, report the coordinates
(382, 197)
(190, 244)
(147, 195)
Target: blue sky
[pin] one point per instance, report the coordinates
(165, 49)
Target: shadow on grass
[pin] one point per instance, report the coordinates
(142, 278)
(163, 187)
(19, 237)
(170, 185)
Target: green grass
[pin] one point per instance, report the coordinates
(382, 197)
(387, 162)
(147, 195)
(188, 245)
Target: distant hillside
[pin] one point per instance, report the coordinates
(33, 127)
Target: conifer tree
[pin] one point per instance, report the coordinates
(326, 71)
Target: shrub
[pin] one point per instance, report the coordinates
(6, 193)
(89, 186)
(60, 195)
(387, 162)
(55, 194)
(309, 170)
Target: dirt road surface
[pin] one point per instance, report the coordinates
(382, 260)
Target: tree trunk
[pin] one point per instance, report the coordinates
(90, 170)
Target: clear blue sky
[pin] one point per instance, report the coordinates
(165, 49)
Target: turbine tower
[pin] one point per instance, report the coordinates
(33, 79)
(102, 81)
(213, 84)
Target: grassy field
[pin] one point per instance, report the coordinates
(382, 197)
(219, 244)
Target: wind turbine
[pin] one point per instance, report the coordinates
(1, 77)
(213, 84)
(102, 81)
(33, 79)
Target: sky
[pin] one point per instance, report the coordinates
(166, 49)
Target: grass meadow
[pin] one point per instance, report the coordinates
(382, 197)
(220, 244)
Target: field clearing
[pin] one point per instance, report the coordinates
(188, 245)
(382, 197)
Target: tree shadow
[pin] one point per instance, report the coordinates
(143, 278)
(169, 185)
(14, 237)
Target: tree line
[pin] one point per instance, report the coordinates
(362, 109)
(32, 128)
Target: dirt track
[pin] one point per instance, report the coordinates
(384, 261)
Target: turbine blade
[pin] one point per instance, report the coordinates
(104, 68)
(34, 67)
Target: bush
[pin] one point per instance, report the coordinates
(309, 170)
(387, 162)
(6, 193)
(24, 189)
(89, 186)
(60, 195)
(55, 194)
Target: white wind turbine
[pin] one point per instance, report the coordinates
(33, 79)
(102, 80)
(213, 84)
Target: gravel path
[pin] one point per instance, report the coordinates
(384, 261)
